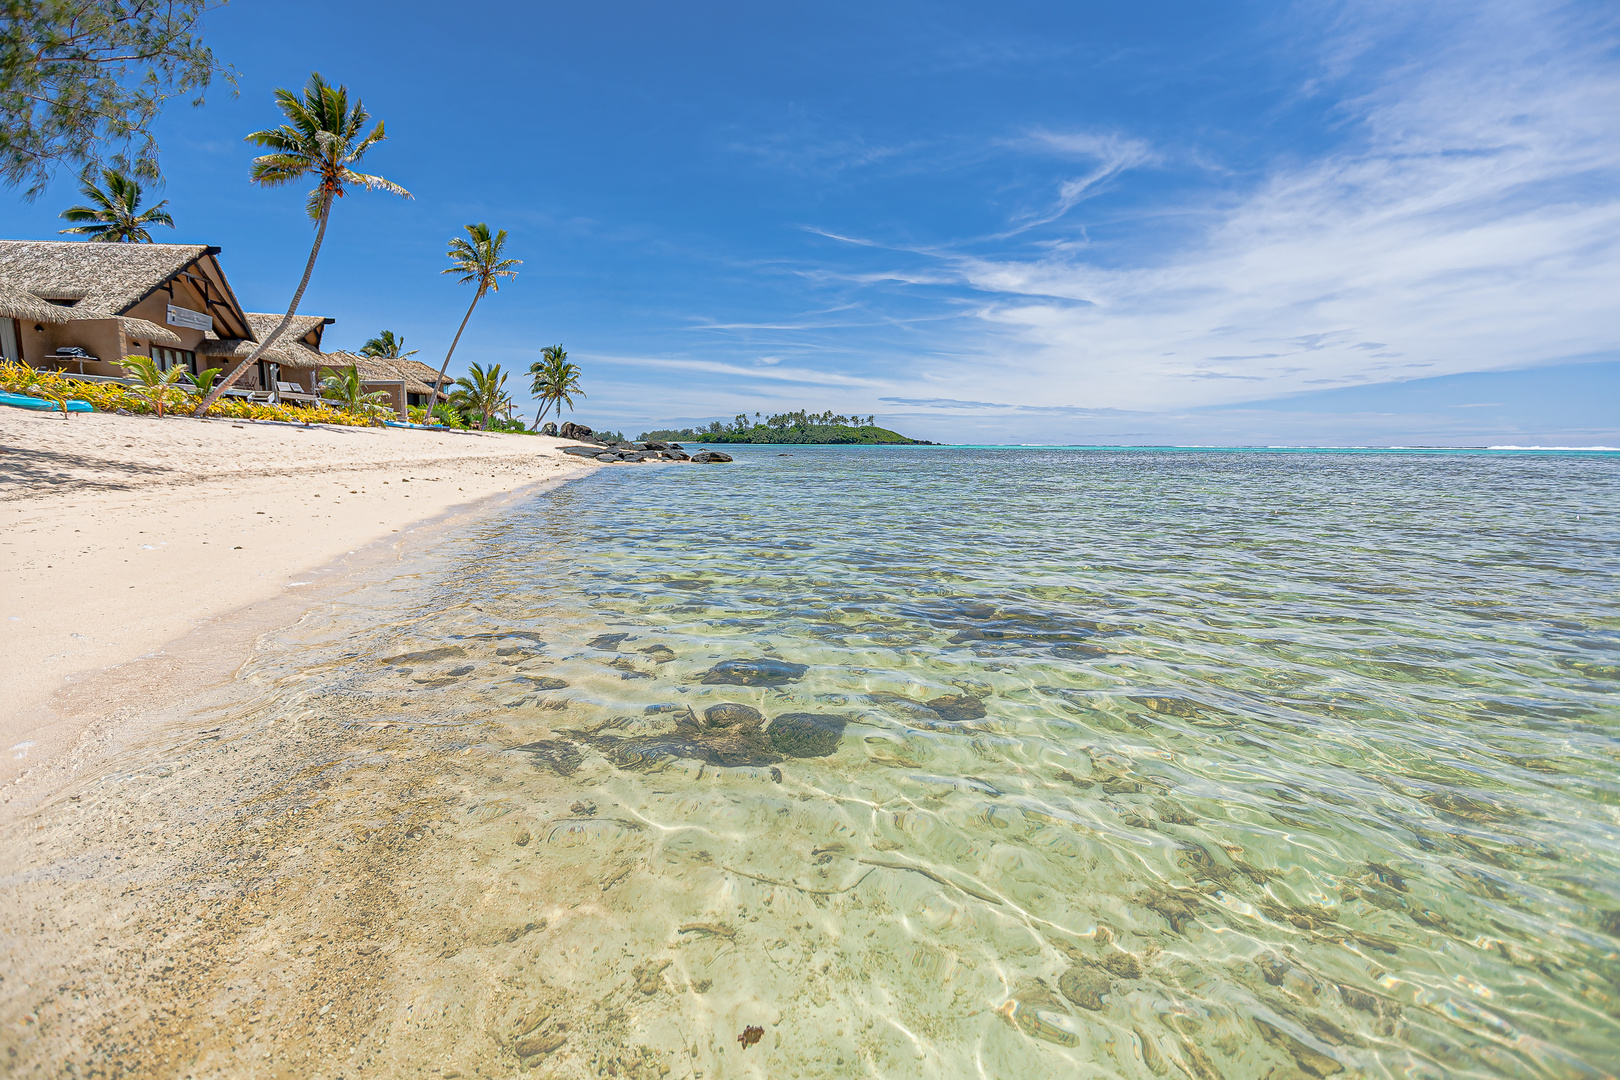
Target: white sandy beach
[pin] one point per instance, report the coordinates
(121, 535)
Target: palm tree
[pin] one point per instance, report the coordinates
(483, 392)
(556, 380)
(387, 347)
(345, 387)
(153, 383)
(116, 215)
(480, 262)
(322, 139)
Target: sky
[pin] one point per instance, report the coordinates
(1370, 223)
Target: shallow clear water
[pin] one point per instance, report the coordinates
(1058, 762)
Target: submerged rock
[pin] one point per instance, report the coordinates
(957, 707)
(1085, 987)
(562, 758)
(427, 656)
(805, 735)
(542, 682)
(761, 671)
(729, 714)
(610, 642)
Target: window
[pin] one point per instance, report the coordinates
(171, 358)
(9, 340)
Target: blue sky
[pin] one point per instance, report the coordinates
(1036, 222)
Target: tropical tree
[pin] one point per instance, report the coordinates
(479, 261)
(555, 381)
(386, 346)
(321, 139)
(482, 392)
(116, 215)
(153, 383)
(82, 80)
(345, 387)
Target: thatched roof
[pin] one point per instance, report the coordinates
(291, 349)
(25, 306)
(109, 279)
(426, 374)
(151, 332)
(105, 278)
(377, 369)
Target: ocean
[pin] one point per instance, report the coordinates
(922, 762)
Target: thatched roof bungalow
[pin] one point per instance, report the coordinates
(82, 306)
(407, 382)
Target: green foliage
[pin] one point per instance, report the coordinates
(794, 427)
(450, 416)
(344, 387)
(321, 139)
(482, 393)
(554, 380)
(160, 388)
(386, 346)
(82, 80)
(481, 258)
(204, 379)
(115, 215)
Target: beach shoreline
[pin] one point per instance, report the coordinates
(141, 556)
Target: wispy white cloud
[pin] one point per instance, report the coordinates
(1110, 154)
(1471, 221)
(769, 371)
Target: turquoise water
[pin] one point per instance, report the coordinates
(1234, 762)
(944, 762)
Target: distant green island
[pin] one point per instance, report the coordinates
(795, 427)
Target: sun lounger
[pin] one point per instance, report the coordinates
(287, 391)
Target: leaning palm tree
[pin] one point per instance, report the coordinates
(483, 392)
(116, 216)
(387, 346)
(479, 261)
(322, 139)
(555, 381)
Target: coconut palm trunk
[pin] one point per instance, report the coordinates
(286, 320)
(477, 296)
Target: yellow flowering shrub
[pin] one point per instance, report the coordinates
(20, 378)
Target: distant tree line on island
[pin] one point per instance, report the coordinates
(793, 427)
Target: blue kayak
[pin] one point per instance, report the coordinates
(23, 401)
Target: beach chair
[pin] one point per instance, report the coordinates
(287, 391)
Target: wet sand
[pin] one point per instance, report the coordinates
(120, 535)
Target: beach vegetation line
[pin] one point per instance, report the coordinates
(793, 427)
(20, 378)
